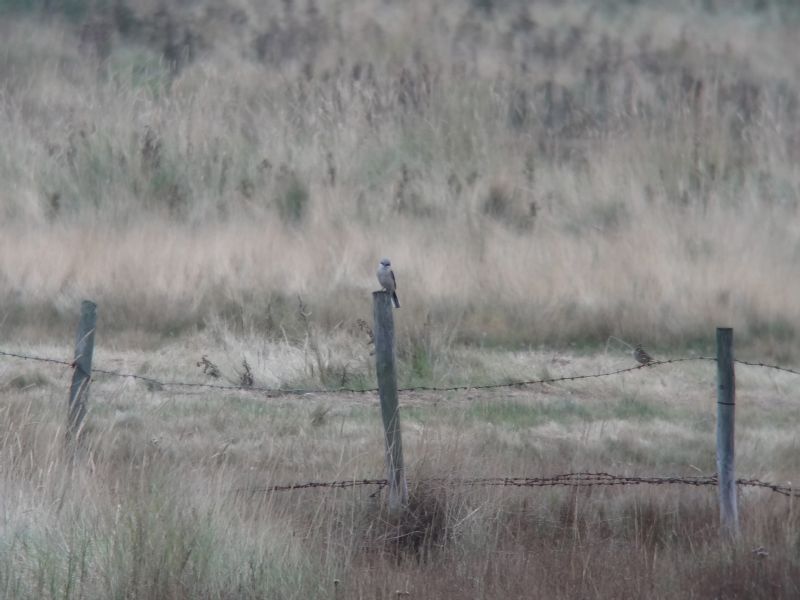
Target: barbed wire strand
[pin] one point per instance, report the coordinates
(567, 479)
(422, 388)
(581, 479)
(37, 358)
(766, 366)
(287, 391)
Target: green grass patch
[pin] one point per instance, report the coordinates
(635, 409)
(519, 415)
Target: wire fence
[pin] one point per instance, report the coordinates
(158, 384)
(575, 480)
(580, 479)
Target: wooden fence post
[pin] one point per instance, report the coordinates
(387, 389)
(81, 376)
(726, 413)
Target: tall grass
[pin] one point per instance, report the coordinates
(222, 179)
(163, 498)
(552, 174)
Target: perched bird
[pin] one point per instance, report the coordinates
(387, 280)
(641, 355)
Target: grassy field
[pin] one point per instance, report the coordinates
(166, 499)
(553, 181)
(538, 176)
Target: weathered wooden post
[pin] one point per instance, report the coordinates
(726, 413)
(387, 389)
(81, 376)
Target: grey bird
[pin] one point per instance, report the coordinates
(387, 280)
(641, 355)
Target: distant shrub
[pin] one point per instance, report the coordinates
(499, 201)
(504, 204)
(125, 19)
(292, 196)
(166, 183)
(487, 6)
(168, 190)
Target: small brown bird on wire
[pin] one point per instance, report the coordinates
(641, 355)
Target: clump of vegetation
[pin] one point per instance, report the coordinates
(28, 381)
(292, 197)
(209, 368)
(506, 205)
(420, 531)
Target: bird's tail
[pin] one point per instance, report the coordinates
(395, 300)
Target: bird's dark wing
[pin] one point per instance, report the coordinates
(394, 281)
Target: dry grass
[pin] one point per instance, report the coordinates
(586, 173)
(222, 179)
(162, 499)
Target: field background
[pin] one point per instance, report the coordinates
(552, 181)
